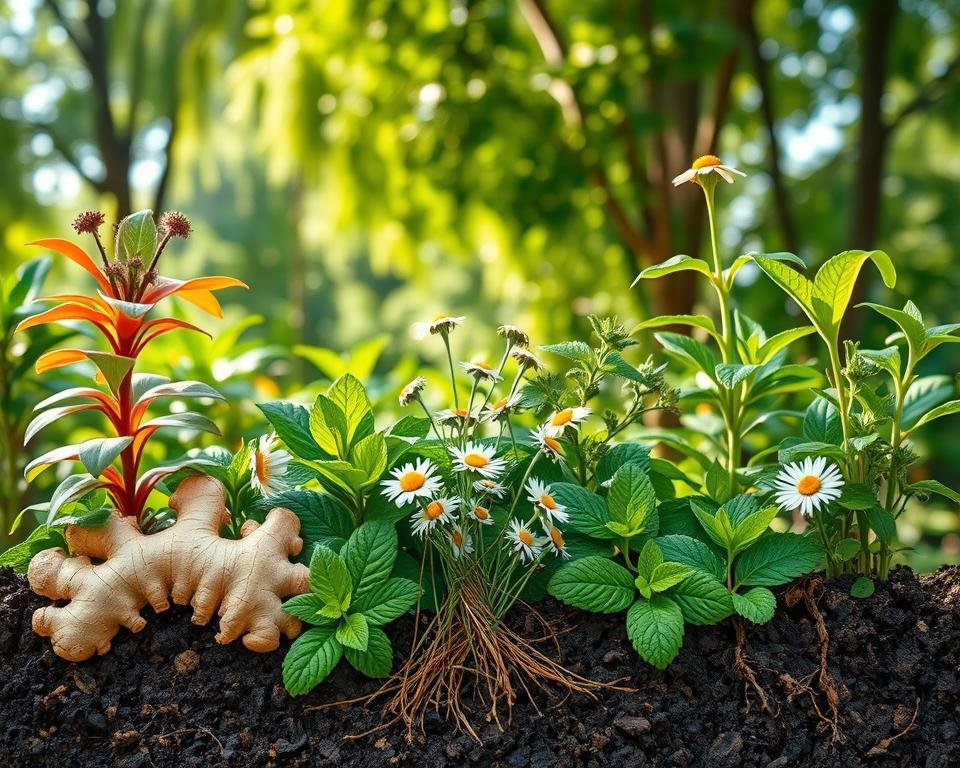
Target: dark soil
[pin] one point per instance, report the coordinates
(171, 696)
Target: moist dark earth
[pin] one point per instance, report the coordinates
(170, 696)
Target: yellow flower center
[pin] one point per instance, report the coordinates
(412, 481)
(459, 412)
(476, 460)
(482, 365)
(457, 538)
(481, 513)
(525, 537)
(808, 485)
(433, 511)
(553, 445)
(557, 538)
(560, 418)
(703, 409)
(547, 501)
(705, 161)
(263, 471)
(500, 404)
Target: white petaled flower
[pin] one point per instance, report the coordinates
(480, 369)
(412, 391)
(478, 458)
(515, 334)
(707, 164)
(502, 407)
(480, 513)
(456, 416)
(547, 443)
(555, 541)
(461, 543)
(526, 359)
(440, 324)
(491, 487)
(412, 481)
(268, 465)
(524, 541)
(808, 485)
(542, 497)
(567, 417)
(436, 512)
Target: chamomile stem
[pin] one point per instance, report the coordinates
(453, 376)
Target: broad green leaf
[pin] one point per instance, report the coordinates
(310, 659)
(686, 348)
(855, 496)
(730, 375)
(846, 549)
(632, 500)
(650, 557)
(887, 359)
(349, 395)
(369, 555)
(778, 559)
(791, 451)
(934, 486)
(731, 272)
(113, 367)
(330, 581)
(593, 584)
(292, 425)
(795, 285)
(946, 409)
(752, 528)
(655, 628)
(667, 575)
(862, 588)
(678, 263)
(757, 605)
(370, 455)
(19, 555)
(620, 454)
(137, 237)
(72, 488)
(588, 511)
(309, 608)
(780, 340)
(909, 323)
(833, 285)
(702, 598)
(388, 600)
(925, 394)
(353, 632)
(377, 660)
(821, 423)
(185, 420)
(329, 428)
(686, 549)
(577, 351)
(717, 525)
(882, 523)
(98, 454)
(693, 321)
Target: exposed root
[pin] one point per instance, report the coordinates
(804, 590)
(881, 747)
(745, 670)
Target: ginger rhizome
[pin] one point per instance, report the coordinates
(117, 570)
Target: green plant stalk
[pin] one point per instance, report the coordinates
(453, 376)
(896, 439)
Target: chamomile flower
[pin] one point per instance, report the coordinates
(479, 458)
(526, 359)
(704, 165)
(555, 541)
(460, 542)
(501, 407)
(542, 497)
(431, 514)
(524, 541)
(808, 485)
(547, 443)
(268, 466)
(412, 481)
(456, 416)
(480, 513)
(481, 370)
(491, 487)
(567, 417)
(515, 334)
(442, 324)
(412, 390)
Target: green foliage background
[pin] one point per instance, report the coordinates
(363, 165)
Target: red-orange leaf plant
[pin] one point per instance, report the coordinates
(122, 308)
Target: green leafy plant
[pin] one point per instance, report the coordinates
(352, 596)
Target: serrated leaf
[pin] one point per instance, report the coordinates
(752, 528)
(388, 601)
(377, 660)
(310, 659)
(620, 454)
(777, 559)
(328, 426)
(369, 555)
(655, 629)
(667, 575)
(310, 608)
(702, 598)
(730, 375)
(855, 496)
(370, 455)
(649, 558)
(593, 584)
(588, 511)
(353, 632)
(686, 348)
(350, 397)
(577, 351)
(330, 580)
(632, 500)
(757, 605)
(686, 549)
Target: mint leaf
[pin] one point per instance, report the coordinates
(292, 424)
(632, 500)
(757, 605)
(577, 351)
(388, 601)
(593, 584)
(777, 559)
(588, 511)
(667, 575)
(618, 456)
(650, 557)
(752, 528)
(369, 555)
(377, 660)
(310, 659)
(308, 607)
(686, 549)
(702, 598)
(655, 628)
(330, 580)
(353, 631)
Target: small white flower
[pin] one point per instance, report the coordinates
(502, 407)
(436, 512)
(456, 416)
(481, 370)
(526, 359)
(548, 444)
(480, 513)
(515, 334)
(478, 458)
(568, 417)
(440, 324)
(707, 164)
(555, 541)
(524, 541)
(542, 497)
(412, 390)
(411, 482)
(268, 466)
(461, 543)
(491, 487)
(808, 485)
